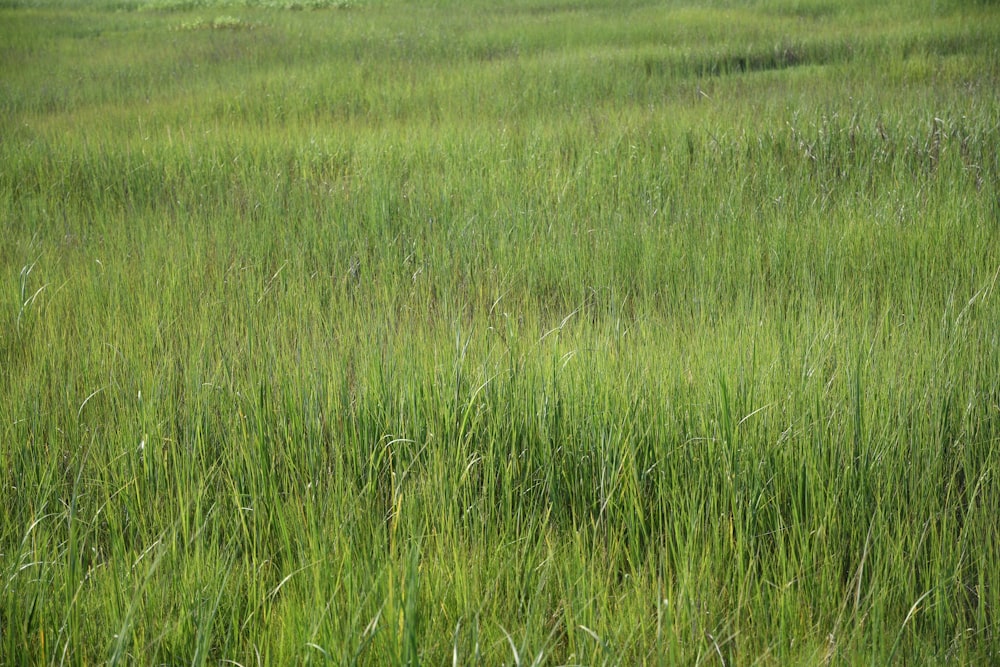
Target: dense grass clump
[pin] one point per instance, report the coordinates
(588, 332)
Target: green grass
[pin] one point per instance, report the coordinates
(531, 332)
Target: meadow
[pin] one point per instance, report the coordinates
(533, 332)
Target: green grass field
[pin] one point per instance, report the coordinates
(531, 332)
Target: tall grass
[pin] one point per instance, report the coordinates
(589, 333)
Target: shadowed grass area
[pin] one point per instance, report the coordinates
(525, 333)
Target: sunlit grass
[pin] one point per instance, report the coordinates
(579, 333)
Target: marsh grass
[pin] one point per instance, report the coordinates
(532, 333)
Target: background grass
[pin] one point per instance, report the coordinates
(529, 332)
